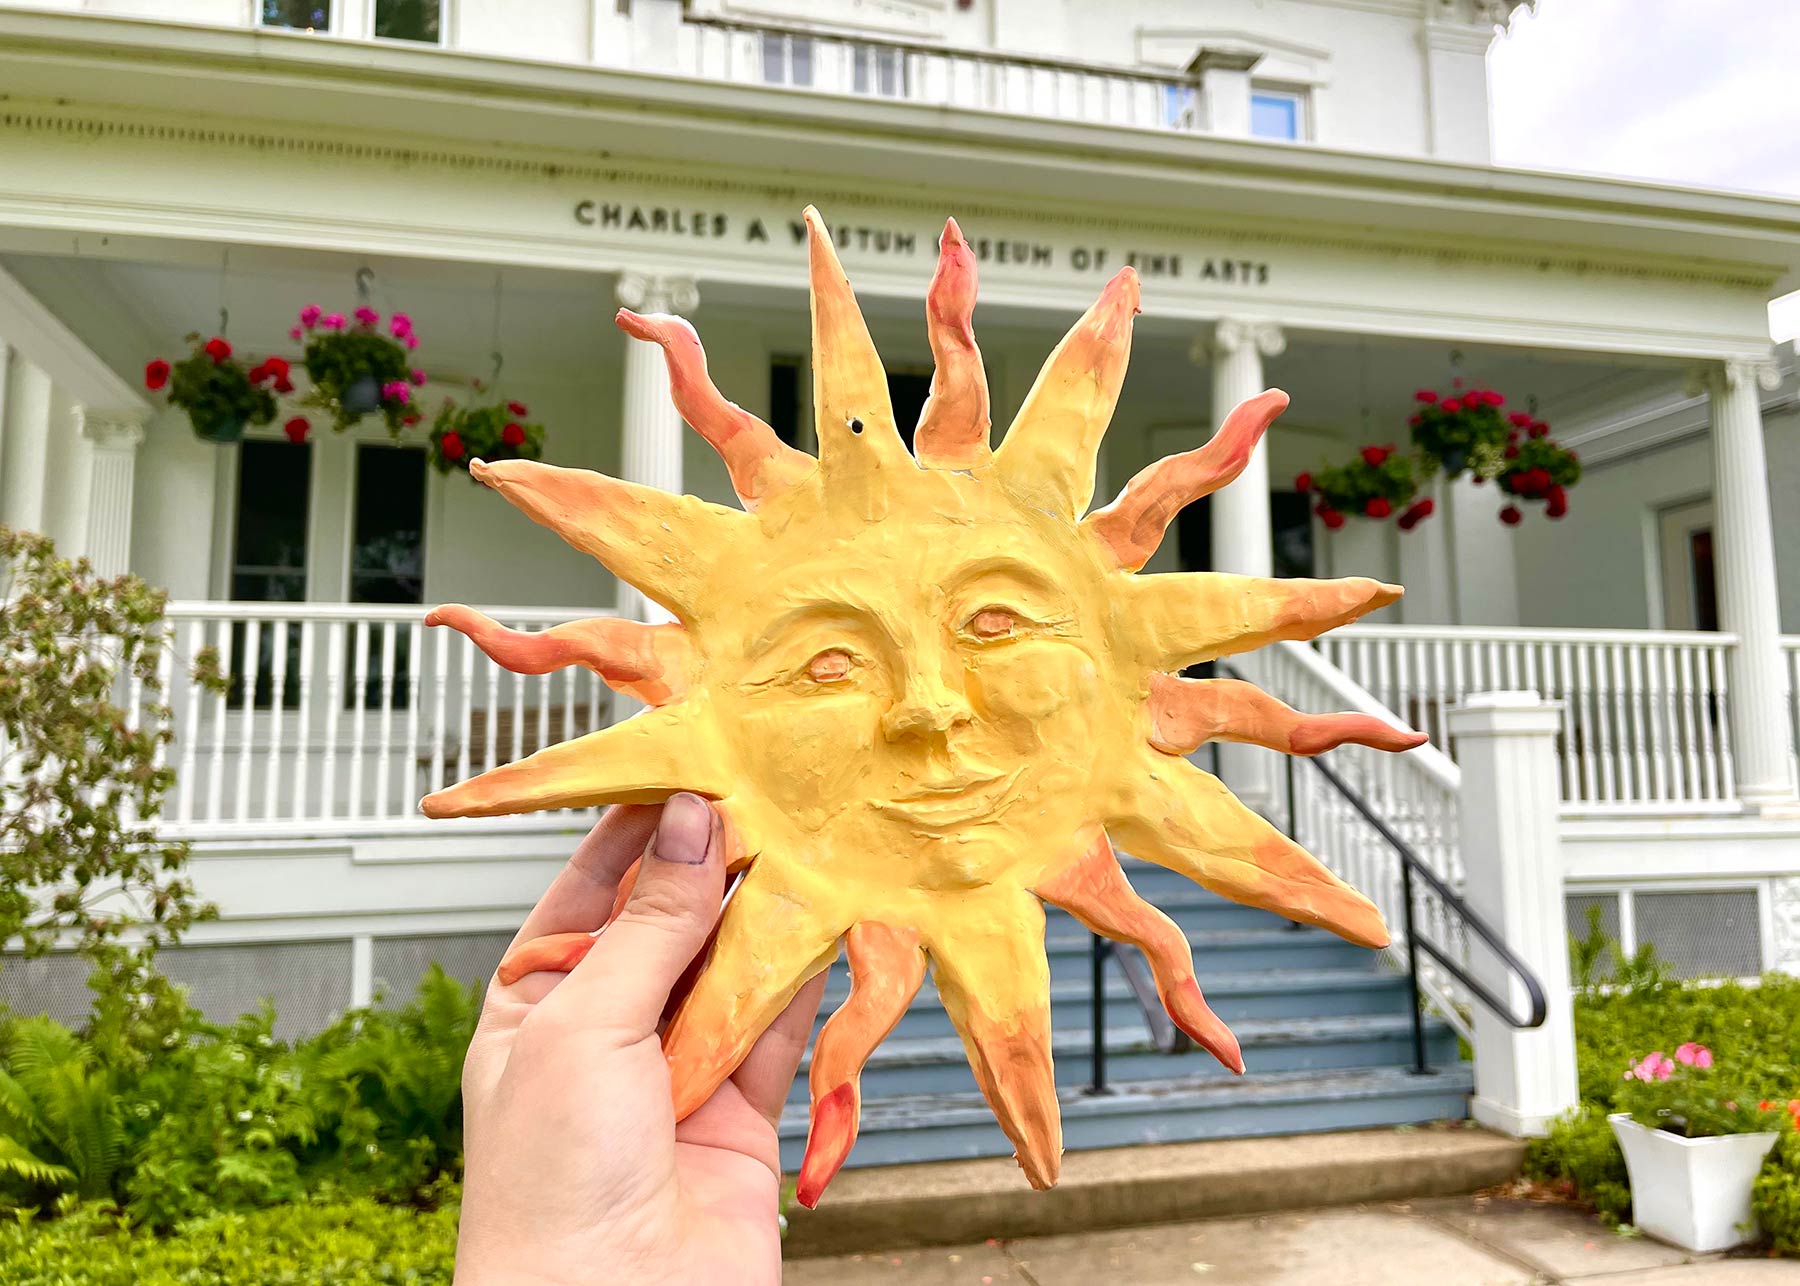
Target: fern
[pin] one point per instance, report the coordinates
(19, 1161)
(64, 1124)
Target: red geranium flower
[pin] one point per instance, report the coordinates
(1417, 513)
(1512, 452)
(276, 365)
(1511, 515)
(1492, 398)
(283, 384)
(296, 429)
(1374, 456)
(156, 374)
(1378, 507)
(1416, 420)
(1331, 518)
(513, 435)
(1538, 429)
(1425, 395)
(451, 445)
(258, 373)
(1519, 419)
(1452, 405)
(517, 408)
(1303, 482)
(217, 349)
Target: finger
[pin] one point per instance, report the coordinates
(626, 978)
(767, 1072)
(582, 893)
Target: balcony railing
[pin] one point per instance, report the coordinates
(940, 75)
(339, 717)
(1646, 724)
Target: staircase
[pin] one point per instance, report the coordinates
(1326, 1030)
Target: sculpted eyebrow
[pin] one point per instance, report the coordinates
(817, 610)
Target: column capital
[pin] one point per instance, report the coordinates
(1233, 333)
(656, 292)
(121, 431)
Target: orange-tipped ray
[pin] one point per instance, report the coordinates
(561, 952)
(953, 427)
(1051, 448)
(1132, 526)
(1185, 819)
(886, 969)
(1096, 892)
(1183, 618)
(1186, 713)
(761, 465)
(648, 663)
(659, 542)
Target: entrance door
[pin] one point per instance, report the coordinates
(1689, 590)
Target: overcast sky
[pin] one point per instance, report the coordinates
(1698, 92)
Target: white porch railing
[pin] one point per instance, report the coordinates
(1646, 726)
(1416, 793)
(340, 716)
(939, 75)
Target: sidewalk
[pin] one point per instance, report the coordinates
(1451, 1241)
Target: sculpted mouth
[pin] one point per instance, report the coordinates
(952, 801)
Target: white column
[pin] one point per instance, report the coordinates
(1242, 540)
(1485, 575)
(25, 451)
(651, 429)
(1425, 566)
(1512, 859)
(1749, 606)
(112, 470)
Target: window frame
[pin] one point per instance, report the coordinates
(442, 41)
(334, 21)
(1301, 98)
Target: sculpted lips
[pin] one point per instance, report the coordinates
(952, 801)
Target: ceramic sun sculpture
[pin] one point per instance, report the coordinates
(928, 695)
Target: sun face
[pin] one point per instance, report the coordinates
(927, 695)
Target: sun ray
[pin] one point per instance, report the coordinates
(643, 760)
(1177, 816)
(886, 970)
(853, 413)
(1132, 526)
(1095, 891)
(1185, 713)
(649, 663)
(761, 465)
(770, 941)
(987, 954)
(561, 952)
(1183, 618)
(953, 427)
(1051, 448)
(659, 542)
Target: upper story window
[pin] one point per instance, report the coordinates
(787, 59)
(303, 15)
(421, 20)
(1278, 114)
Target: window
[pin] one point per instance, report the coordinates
(1277, 114)
(787, 59)
(784, 398)
(878, 69)
(387, 554)
(409, 20)
(1178, 107)
(302, 15)
(1290, 532)
(268, 560)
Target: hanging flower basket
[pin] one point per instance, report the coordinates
(1538, 469)
(1379, 483)
(221, 397)
(1462, 432)
(358, 371)
(500, 431)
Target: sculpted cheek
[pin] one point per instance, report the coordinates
(1033, 682)
(809, 756)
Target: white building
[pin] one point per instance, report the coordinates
(1304, 186)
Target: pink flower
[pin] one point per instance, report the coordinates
(309, 316)
(396, 391)
(295, 333)
(418, 376)
(411, 341)
(333, 321)
(401, 325)
(1694, 1056)
(367, 316)
(1656, 1066)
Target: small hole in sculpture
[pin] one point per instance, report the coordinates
(856, 426)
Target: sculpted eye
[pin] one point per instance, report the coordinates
(992, 623)
(829, 667)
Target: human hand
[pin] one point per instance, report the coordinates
(575, 1170)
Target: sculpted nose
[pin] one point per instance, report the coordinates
(928, 707)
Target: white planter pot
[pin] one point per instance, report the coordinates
(1694, 1193)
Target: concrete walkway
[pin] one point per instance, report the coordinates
(1451, 1241)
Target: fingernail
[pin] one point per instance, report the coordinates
(684, 831)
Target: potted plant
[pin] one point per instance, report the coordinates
(498, 431)
(1464, 431)
(1535, 468)
(1693, 1140)
(1379, 483)
(355, 369)
(220, 395)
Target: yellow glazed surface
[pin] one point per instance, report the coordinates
(924, 691)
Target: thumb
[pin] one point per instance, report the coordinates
(625, 981)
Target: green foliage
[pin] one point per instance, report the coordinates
(217, 392)
(60, 1111)
(460, 434)
(1754, 1030)
(331, 1242)
(1374, 474)
(336, 360)
(1462, 432)
(80, 857)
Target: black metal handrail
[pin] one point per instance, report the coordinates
(1412, 867)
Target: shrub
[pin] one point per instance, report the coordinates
(1776, 1198)
(63, 1120)
(1581, 1155)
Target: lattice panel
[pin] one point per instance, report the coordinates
(1702, 935)
(308, 981)
(467, 957)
